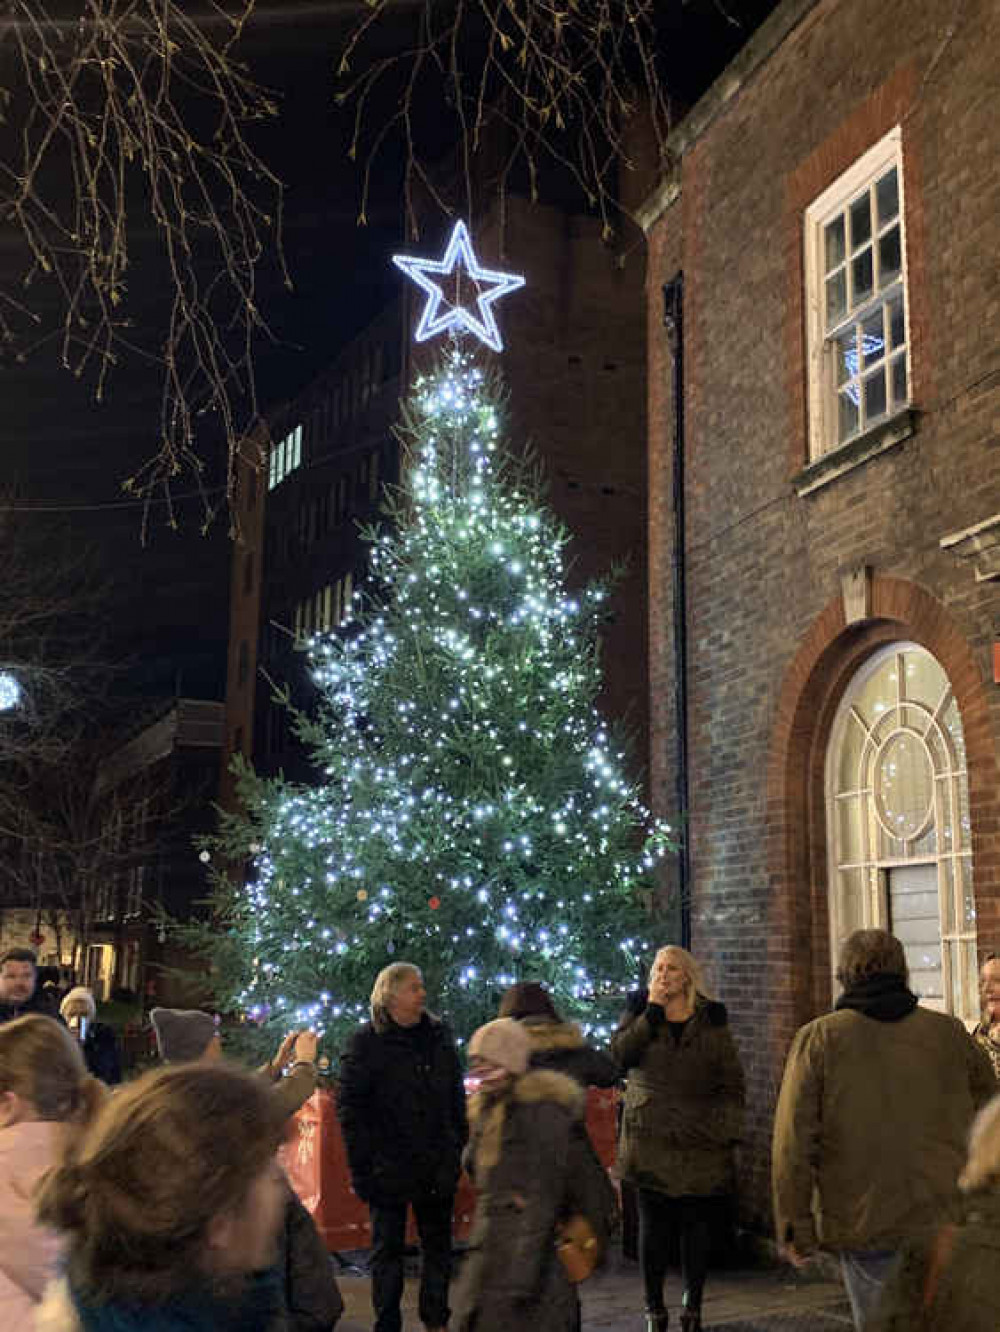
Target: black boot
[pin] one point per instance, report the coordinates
(656, 1320)
(691, 1320)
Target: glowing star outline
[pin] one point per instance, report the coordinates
(457, 317)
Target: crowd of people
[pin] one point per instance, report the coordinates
(160, 1204)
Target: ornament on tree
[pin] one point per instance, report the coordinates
(434, 903)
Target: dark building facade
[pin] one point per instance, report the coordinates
(824, 463)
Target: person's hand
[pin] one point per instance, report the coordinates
(658, 993)
(795, 1257)
(285, 1051)
(306, 1044)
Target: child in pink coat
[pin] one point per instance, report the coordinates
(45, 1093)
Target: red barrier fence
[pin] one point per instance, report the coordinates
(316, 1163)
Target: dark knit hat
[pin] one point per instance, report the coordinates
(182, 1034)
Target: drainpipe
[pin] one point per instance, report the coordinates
(673, 319)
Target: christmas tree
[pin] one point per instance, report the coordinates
(471, 814)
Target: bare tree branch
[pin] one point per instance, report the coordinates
(564, 77)
(139, 111)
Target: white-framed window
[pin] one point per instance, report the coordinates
(285, 456)
(899, 835)
(856, 302)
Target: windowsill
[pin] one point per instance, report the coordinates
(856, 452)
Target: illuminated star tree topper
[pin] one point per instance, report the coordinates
(443, 316)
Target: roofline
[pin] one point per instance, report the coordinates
(740, 70)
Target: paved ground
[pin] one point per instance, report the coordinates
(771, 1300)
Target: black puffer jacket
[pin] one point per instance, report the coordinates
(560, 1046)
(401, 1105)
(40, 1004)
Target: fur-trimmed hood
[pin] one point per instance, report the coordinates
(538, 1084)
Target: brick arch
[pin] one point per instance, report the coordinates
(795, 821)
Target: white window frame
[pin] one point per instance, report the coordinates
(952, 854)
(837, 198)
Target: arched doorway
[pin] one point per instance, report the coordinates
(898, 827)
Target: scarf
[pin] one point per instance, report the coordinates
(883, 997)
(202, 1310)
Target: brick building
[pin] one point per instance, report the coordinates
(574, 362)
(824, 524)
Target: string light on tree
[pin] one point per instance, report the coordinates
(471, 811)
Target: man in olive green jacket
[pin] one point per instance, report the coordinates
(872, 1120)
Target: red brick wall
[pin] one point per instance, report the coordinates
(770, 655)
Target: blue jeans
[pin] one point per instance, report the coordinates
(865, 1272)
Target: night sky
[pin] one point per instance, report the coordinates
(66, 456)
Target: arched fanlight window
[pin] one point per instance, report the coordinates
(898, 823)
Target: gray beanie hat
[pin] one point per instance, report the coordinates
(182, 1034)
(503, 1042)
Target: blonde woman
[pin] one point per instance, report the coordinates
(949, 1280)
(682, 1117)
(46, 1094)
(170, 1206)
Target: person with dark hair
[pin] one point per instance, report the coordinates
(20, 992)
(987, 1030)
(682, 1118)
(871, 1123)
(401, 1103)
(46, 1095)
(556, 1044)
(169, 1208)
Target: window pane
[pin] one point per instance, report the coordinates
(851, 906)
(899, 387)
(878, 693)
(897, 327)
(861, 221)
(887, 197)
(851, 744)
(862, 281)
(889, 257)
(848, 832)
(836, 298)
(847, 422)
(845, 349)
(833, 242)
(968, 917)
(953, 725)
(875, 395)
(872, 339)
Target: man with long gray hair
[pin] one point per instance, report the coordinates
(401, 1105)
(872, 1121)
